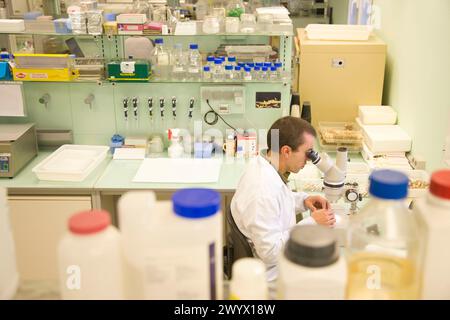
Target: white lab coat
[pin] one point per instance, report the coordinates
(264, 209)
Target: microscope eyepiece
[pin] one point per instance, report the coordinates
(313, 156)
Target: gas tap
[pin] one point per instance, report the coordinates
(125, 108)
(191, 107)
(135, 107)
(150, 107)
(174, 107)
(161, 107)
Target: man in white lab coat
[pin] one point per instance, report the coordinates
(263, 207)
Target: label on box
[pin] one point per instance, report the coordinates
(38, 76)
(4, 162)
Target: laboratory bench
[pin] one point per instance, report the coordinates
(40, 209)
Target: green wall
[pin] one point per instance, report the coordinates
(340, 11)
(417, 82)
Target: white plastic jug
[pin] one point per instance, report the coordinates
(172, 250)
(9, 277)
(89, 257)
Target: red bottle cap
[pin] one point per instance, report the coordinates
(88, 222)
(440, 184)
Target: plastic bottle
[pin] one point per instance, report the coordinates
(175, 150)
(383, 243)
(273, 74)
(279, 66)
(178, 63)
(9, 277)
(311, 266)
(172, 250)
(207, 73)
(218, 70)
(89, 258)
(249, 280)
(247, 74)
(229, 73)
(433, 214)
(195, 62)
(160, 60)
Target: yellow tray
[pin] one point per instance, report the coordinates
(44, 74)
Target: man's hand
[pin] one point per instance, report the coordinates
(314, 203)
(324, 217)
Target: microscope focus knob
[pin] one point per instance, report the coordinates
(351, 195)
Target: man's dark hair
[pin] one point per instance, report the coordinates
(290, 131)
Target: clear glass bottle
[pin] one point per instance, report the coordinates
(178, 63)
(232, 61)
(383, 246)
(264, 75)
(279, 67)
(256, 74)
(218, 70)
(273, 74)
(195, 62)
(247, 74)
(207, 73)
(238, 73)
(210, 61)
(229, 73)
(160, 60)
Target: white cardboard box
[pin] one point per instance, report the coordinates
(376, 115)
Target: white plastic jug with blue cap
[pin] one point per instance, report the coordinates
(172, 249)
(384, 252)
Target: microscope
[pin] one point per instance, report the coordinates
(334, 186)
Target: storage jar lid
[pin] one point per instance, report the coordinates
(312, 246)
(389, 184)
(440, 184)
(88, 222)
(196, 203)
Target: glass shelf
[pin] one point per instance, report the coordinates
(228, 35)
(284, 81)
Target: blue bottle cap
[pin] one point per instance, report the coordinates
(278, 64)
(267, 64)
(237, 68)
(247, 69)
(196, 203)
(388, 184)
(257, 68)
(251, 65)
(273, 68)
(117, 138)
(206, 68)
(228, 67)
(218, 61)
(258, 64)
(231, 59)
(159, 41)
(265, 68)
(210, 59)
(193, 46)
(241, 64)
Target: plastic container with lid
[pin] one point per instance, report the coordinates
(311, 266)
(172, 249)
(384, 249)
(433, 215)
(249, 280)
(9, 276)
(248, 23)
(211, 25)
(89, 258)
(232, 24)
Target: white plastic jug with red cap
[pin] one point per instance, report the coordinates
(433, 214)
(89, 258)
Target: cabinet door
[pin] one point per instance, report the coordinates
(38, 223)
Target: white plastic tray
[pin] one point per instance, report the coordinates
(338, 32)
(70, 163)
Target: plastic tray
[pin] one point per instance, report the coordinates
(332, 147)
(340, 132)
(70, 163)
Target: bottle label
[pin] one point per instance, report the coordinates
(194, 70)
(181, 273)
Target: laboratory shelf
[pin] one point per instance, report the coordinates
(222, 34)
(100, 82)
